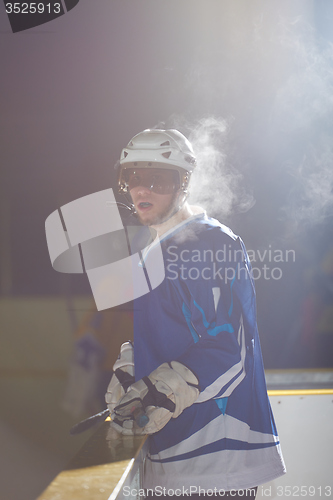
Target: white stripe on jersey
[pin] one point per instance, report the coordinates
(212, 390)
(219, 428)
(236, 469)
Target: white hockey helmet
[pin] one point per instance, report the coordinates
(157, 148)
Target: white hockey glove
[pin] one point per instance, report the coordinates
(122, 377)
(151, 402)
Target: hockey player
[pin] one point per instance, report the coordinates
(199, 377)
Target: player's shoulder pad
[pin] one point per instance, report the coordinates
(214, 223)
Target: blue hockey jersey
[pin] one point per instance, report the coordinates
(204, 316)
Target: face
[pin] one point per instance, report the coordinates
(154, 193)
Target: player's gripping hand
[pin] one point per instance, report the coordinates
(122, 377)
(151, 402)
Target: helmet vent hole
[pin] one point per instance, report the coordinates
(166, 143)
(190, 159)
(125, 154)
(166, 155)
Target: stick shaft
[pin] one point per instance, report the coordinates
(89, 422)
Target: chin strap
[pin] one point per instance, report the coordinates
(129, 207)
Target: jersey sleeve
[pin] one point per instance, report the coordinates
(219, 308)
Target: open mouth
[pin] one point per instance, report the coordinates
(145, 204)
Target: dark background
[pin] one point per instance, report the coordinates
(250, 82)
(74, 91)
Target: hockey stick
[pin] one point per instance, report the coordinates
(139, 415)
(89, 422)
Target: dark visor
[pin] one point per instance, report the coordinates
(158, 180)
